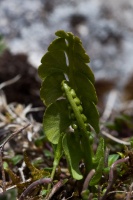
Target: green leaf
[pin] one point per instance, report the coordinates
(16, 159)
(48, 153)
(5, 165)
(85, 194)
(57, 44)
(92, 114)
(84, 69)
(99, 152)
(56, 120)
(51, 88)
(73, 153)
(98, 174)
(86, 92)
(40, 141)
(85, 88)
(79, 51)
(44, 192)
(112, 158)
(67, 47)
(10, 194)
(61, 34)
(52, 62)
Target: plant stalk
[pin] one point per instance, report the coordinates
(58, 154)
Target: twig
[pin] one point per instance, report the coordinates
(20, 169)
(36, 109)
(15, 186)
(3, 173)
(3, 101)
(9, 82)
(99, 192)
(117, 191)
(90, 196)
(70, 196)
(56, 187)
(12, 135)
(115, 139)
(109, 105)
(87, 180)
(130, 192)
(111, 176)
(33, 185)
(1, 152)
(125, 106)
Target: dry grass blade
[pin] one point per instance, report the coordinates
(115, 139)
(113, 95)
(9, 82)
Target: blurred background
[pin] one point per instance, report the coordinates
(105, 28)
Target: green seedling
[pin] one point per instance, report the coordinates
(70, 98)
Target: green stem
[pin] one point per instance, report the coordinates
(87, 152)
(85, 139)
(58, 154)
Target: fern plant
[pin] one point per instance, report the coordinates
(69, 94)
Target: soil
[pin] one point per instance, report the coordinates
(26, 89)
